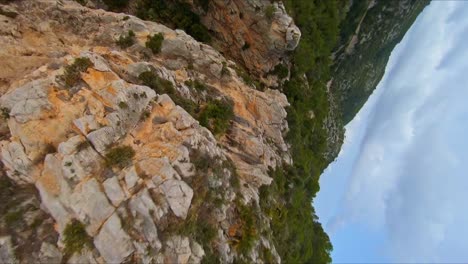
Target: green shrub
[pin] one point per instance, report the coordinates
(162, 86)
(81, 2)
(225, 70)
(270, 12)
(73, 72)
(248, 218)
(123, 105)
(5, 113)
(120, 156)
(116, 4)
(155, 42)
(216, 116)
(126, 41)
(159, 85)
(281, 71)
(176, 14)
(75, 237)
(13, 217)
(246, 46)
(196, 84)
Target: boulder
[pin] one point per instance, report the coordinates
(179, 196)
(90, 205)
(112, 242)
(114, 191)
(177, 250)
(49, 254)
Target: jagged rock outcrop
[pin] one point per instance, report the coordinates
(257, 33)
(59, 135)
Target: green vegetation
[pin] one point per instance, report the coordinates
(196, 84)
(356, 75)
(281, 71)
(295, 230)
(75, 237)
(224, 70)
(126, 41)
(249, 224)
(73, 72)
(153, 81)
(155, 42)
(200, 224)
(120, 156)
(176, 14)
(10, 14)
(13, 217)
(123, 105)
(246, 46)
(5, 113)
(162, 86)
(270, 12)
(116, 4)
(81, 2)
(216, 116)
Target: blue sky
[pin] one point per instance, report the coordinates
(398, 191)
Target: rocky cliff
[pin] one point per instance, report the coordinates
(183, 131)
(121, 172)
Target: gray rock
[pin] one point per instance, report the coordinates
(102, 138)
(181, 119)
(54, 191)
(114, 191)
(197, 252)
(178, 195)
(16, 162)
(112, 242)
(177, 250)
(142, 208)
(7, 254)
(28, 101)
(90, 205)
(49, 254)
(85, 256)
(86, 124)
(131, 178)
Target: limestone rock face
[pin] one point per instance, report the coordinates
(112, 242)
(56, 138)
(257, 33)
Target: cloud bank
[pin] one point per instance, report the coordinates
(409, 177)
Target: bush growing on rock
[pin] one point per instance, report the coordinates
(270, 12)
(281, 71)
(75, 237)
(154, 43)
(159, 85)
(120, 156)
(116, 4)
(126, 41)
(176, 14)
(5, 113)
(72, 74)
(162, 86)
(196, 84)
(216, 116)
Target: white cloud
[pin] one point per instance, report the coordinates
(409, 178)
